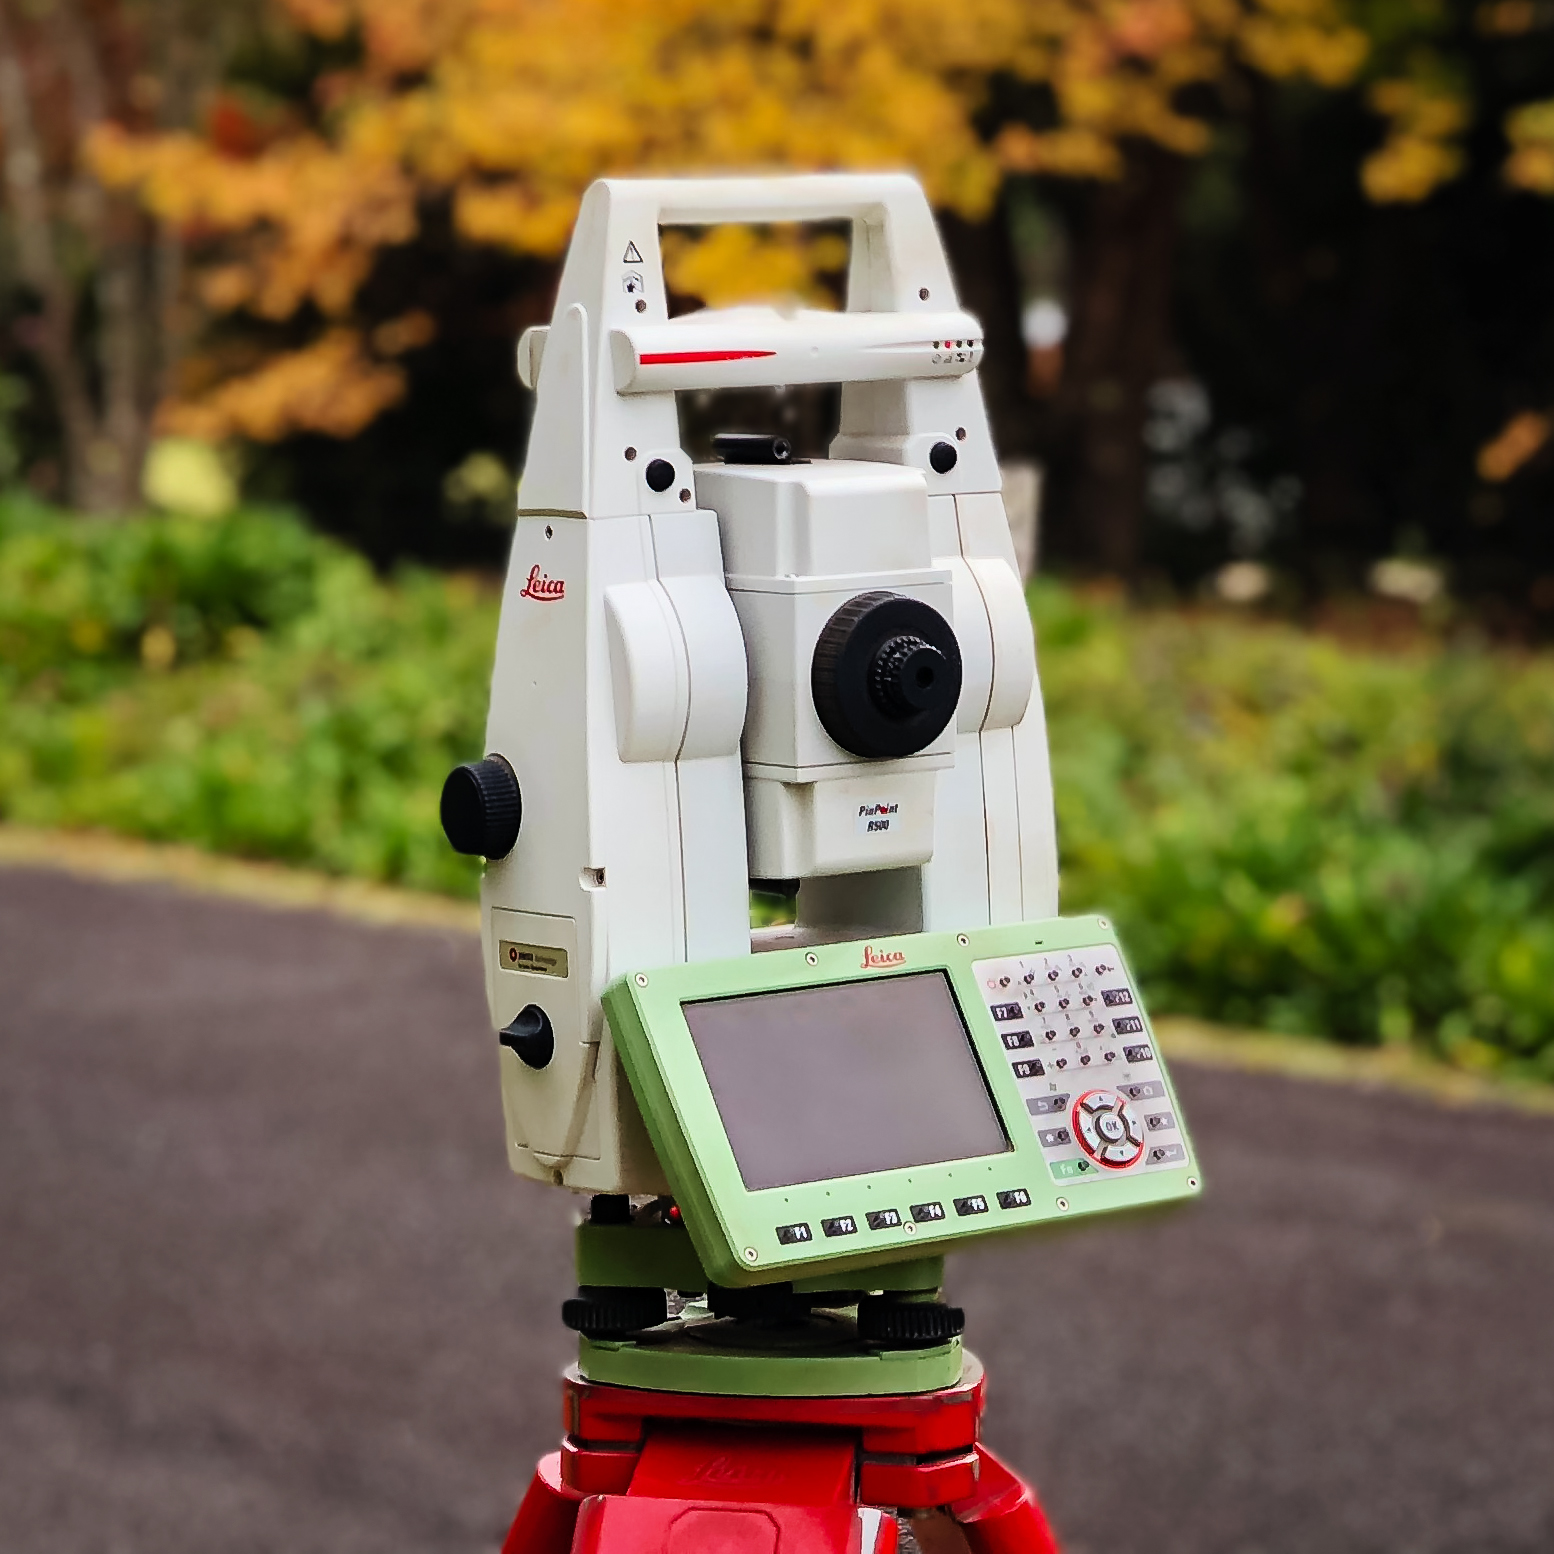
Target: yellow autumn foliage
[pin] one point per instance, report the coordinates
(1531, 162)
(1424, 119)
(510, 108)
(332, 386)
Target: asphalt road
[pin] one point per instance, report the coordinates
(266, 1285)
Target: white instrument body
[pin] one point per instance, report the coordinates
(651, 689)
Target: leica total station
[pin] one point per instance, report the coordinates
(816, 672)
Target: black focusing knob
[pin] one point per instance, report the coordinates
(907, 676)
(942, 457)
(886, 675)
(659, 474)
(482, 808)
(530, 1036)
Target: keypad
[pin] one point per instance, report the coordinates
(1072, 1028)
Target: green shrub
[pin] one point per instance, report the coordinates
(1300, 836)
(1290, 833)
(307, 711)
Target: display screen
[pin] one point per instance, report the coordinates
(845, 1080)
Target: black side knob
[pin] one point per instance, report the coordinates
(530, 1036)
(482, 808)
(908, 1324)
(885, 675)
(942, 457)
(659, 474)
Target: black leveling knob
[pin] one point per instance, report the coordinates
(482, 808)
(613, 1311)
(908, 1324)
(885, 675)
(530, 1036)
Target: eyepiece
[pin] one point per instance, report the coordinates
(908, 676)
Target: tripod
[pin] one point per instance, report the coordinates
(696, 1473)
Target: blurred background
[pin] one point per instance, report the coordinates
(1268, 288)
(1271, 349)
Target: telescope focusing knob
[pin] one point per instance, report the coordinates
(482, 808)
(530, 1036)
(886, 675)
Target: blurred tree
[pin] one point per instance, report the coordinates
(483, 120)
(488, 115)
(91, 278)
(1396, 358)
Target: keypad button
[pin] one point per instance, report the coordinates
(1014, 1198)
(792, 1235)
(883, 1219)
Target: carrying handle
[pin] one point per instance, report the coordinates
(897, 262)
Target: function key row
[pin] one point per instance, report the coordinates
(892, 1219)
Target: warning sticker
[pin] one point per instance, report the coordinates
(631, 256)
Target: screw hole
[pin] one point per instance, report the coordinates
(923, 294)
(960, 434)
(641, 305)
(685, 493)
(549, 532)
(631, 453)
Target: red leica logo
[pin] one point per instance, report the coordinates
(724, 1470)
(541, 587)
(873, 957)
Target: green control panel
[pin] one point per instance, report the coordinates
(864, 1103)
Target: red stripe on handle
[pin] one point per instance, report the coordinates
(677, 358)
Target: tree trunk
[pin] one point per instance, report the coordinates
(1118, 344)
(105, 386)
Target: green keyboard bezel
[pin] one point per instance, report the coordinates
(734, 1230)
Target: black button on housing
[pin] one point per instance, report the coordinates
(659, 474)
(942, 457)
